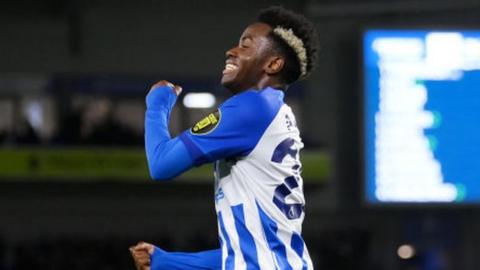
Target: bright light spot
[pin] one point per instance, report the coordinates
(406, 252)
(34, 113)
(199, 100)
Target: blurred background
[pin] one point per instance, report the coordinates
(387, 183)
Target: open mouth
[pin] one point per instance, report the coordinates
(229, 67)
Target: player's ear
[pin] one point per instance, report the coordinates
(274, 65)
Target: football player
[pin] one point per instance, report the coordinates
(254, 143)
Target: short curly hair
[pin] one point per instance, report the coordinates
(304, 29)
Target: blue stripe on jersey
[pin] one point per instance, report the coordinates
(270, 228)
(230, 260)
(298, 245)
(247, 244)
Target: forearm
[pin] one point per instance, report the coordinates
(205, 260)
(166, 157)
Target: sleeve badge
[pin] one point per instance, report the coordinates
(207, 124)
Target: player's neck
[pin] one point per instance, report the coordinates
(262, 84)
(270, 82)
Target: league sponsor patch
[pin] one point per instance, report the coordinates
(207, 124)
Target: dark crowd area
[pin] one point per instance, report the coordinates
(345, 250)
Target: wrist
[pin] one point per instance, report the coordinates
(158, 259)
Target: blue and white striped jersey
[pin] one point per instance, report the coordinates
(254, 141)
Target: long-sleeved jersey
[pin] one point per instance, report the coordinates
(254, 143)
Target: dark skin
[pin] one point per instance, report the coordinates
(251, 64)
(141, 253)
(257, 67)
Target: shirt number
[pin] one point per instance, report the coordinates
(290, 210)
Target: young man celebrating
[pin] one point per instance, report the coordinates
(254, 142)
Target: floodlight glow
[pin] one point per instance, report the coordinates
(34, 113)
(406, 252)
(199, 100)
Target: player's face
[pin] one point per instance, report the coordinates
(245, 62)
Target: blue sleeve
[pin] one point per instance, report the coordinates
(205, 260)
(234, 130)
(166, 157)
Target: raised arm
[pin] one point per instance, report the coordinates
(166, 157)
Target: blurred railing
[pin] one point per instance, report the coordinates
(115, 164)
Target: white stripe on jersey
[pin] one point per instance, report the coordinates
(295, 261)
(230, 228)
(265, 256)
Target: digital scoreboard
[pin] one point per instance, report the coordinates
(421, 116)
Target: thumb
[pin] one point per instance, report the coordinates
(178, 89)
(145, 246)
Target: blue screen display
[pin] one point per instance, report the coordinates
(422, 116)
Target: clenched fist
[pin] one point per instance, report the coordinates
(141, 255)
(176, 88)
